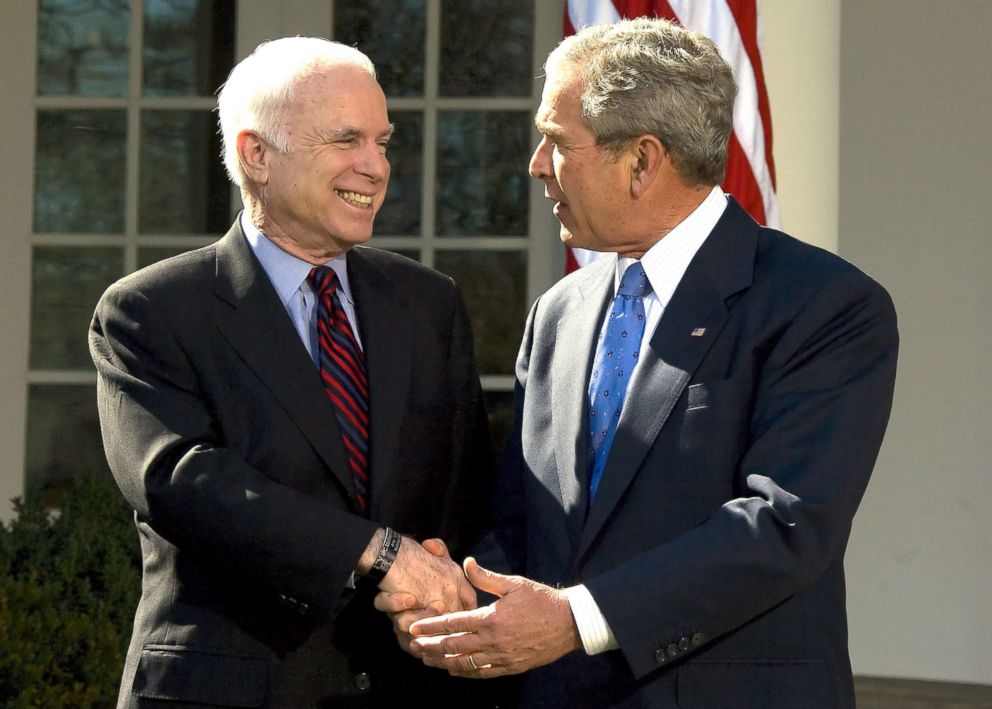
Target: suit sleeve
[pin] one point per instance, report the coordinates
(169, 459)
(818, 416)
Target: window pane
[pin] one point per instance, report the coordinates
(83, 47)
(79, 171)
(63, 439)
(66, 283)
(183, 188)
(391, 32)
(482, 173)
(493, 285)
(400, 213)
(486, 47)
(189, 46)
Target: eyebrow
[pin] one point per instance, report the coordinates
(349, 133)
(548, 129)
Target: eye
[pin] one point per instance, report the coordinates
(383, 146)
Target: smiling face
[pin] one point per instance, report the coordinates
(590, 186)
(320, 198)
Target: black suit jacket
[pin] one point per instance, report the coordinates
(715, 544)
(219, 434)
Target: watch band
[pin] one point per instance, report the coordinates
(387, 555)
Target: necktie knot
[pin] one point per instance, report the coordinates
(634, 281)
(323, 280)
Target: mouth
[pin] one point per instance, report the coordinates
(355, 199)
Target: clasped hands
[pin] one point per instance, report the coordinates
(435, 614)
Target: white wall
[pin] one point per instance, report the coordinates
(882, 120)
(916, 148)
(800, 50)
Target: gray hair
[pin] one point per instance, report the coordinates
(652, 77)
(260, 89)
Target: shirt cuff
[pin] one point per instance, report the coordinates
(593, 629)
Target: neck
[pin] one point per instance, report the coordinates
(665, 214)
(308, 250)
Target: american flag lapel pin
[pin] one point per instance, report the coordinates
(698, 332)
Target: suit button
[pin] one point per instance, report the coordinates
(672, 649)
(684, 644)
(697, 639)
(659, 656)
(363, 682)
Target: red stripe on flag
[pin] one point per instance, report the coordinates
(645, 8)
(566, 21)
(745, 14)
(739, 181)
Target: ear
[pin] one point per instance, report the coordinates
(254, 153)
(647, 156)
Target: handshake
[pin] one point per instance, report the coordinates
(433, 605)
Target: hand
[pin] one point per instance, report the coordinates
(402, 607)
(428, 576)
(530, 625)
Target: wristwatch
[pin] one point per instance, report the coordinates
(391, 541)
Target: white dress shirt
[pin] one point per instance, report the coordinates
(664, 264)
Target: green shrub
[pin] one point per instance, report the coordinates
(69, 583)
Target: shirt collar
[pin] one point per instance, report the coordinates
(287, 272)
(666, 262)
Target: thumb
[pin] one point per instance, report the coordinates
(486, 580)
(434, 546)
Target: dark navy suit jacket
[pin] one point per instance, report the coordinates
(218, 431)
(715, 544)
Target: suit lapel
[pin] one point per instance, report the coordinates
(257, 326)
(387, 336)
(576, 337)
(691, 322)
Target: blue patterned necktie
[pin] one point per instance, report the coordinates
(617, 353)
(342, 369)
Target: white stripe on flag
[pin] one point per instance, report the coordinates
(584, 13)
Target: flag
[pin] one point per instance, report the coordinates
(733, 27)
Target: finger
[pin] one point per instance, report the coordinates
(404, 620)
(439, 646)
(486, 580)
(468, 596)
(394, 602)
(460, 622)
(435, 546)
(471, 662)
(475, 665)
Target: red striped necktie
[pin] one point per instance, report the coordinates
(342, 369)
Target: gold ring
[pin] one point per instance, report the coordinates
(471, 661)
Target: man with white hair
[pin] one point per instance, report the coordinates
(287, 411)
(698, 415)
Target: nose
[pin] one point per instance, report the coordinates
(373, 163)
(540, 166)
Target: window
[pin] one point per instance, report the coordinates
(125, 173)
(113, 163)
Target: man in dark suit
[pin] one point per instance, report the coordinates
(278, 407)
(682, 537)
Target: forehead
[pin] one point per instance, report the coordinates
(340, 93)
(560, 105)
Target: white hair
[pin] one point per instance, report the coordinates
(260, 89)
